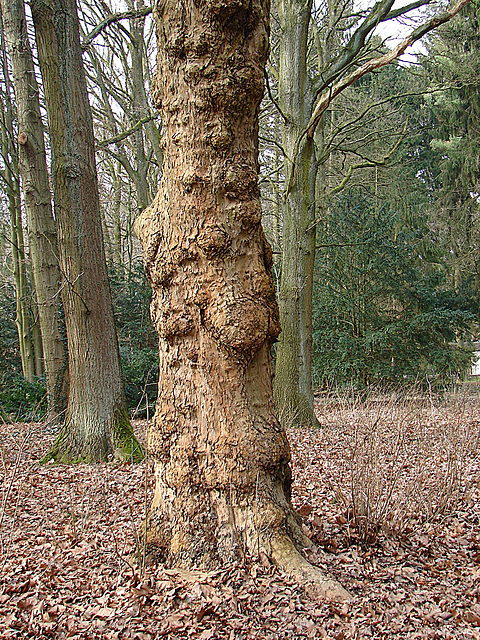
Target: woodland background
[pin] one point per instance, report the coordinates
(396, 274)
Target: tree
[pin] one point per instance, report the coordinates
(303, 99)
(221, 456)
(10, 180)
(382, 316)
(42, 238)
(129, 156)
(452, 67)
(97, 423)
(123, 115)
(293, 367)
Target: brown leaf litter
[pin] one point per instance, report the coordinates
(390, 494)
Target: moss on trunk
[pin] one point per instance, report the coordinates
(117, 443)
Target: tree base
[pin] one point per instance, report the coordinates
(296, 411)
(283, 554)
(117, 444)
(227, 531)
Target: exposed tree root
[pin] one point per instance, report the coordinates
(286, 557)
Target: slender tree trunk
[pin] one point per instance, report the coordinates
(97, 423)
(22, 316)
(293, 367)
(117, 249)
(8, 151)
(141, 108)
(36, 338)
(41, 226)
(221, 456)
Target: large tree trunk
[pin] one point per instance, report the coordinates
(221, 456)
(41, 226)
(293, 367)
(97, 424)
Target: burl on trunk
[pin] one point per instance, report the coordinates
(221, 457)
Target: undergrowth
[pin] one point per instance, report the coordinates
(409, 458)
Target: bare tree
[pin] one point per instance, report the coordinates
(345, 53)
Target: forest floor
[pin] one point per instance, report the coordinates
(390, 491)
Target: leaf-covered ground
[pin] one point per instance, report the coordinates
(390, 493)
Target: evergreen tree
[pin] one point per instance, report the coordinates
(453, 66)
(383, 314)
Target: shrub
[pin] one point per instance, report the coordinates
(21, 400)
(407, 459)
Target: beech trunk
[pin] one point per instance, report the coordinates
(221, 456)
(293, 367)
(97, 425)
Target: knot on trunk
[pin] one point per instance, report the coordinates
(241, 325)
(213, 240)
(240, 183)
(173, 322)
(224, 8)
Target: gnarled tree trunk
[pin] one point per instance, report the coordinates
(221, 456)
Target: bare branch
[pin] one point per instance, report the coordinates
(348, 54)
(125, 134)
(377, 63)
(111, 19)
(406, 9)
(275, 103)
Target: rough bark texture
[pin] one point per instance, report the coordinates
(221, 456)
(41, 226)
(293, 368)
(97, 424)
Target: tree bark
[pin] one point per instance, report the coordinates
(221, 456)
(22, 316)
(293, 367)
(97, 425)
(10, 178)
(40, 223)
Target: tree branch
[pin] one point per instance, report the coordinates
(348, 54)
(274, 102)
(111, 19)
(125, 134)
(406, 9)
(377, 63)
